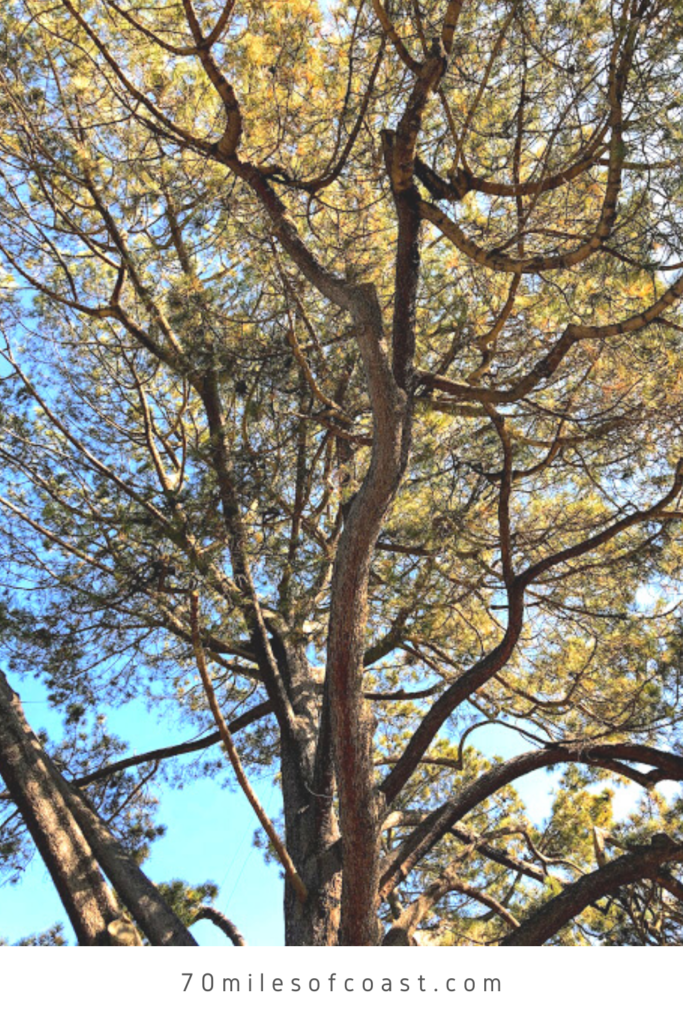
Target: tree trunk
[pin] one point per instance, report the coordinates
(351, 723)
(74, 842)
(34, 785)
(311, 828)
(311, 837)
(161, 926)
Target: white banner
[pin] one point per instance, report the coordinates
(514, 986)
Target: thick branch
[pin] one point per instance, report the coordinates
(574, 898)
(439, 822)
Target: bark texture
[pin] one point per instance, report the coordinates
(34, 785)
(644, 863)
(75, 843)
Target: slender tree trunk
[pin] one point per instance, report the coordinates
(156, 919)
(351, 724)
(74, 842)
(34, 785)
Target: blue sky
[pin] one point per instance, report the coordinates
(209, 838)
(210, 832)
(209, 835)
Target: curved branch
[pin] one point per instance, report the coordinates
(177, 133)
(222, 922)
(574, 898)
(478, 674)
(546, 366)
(495, 260)
(178, 51)
(391, 33)
(439, 822)
(229, 141)
(403, 928)
(463, 181)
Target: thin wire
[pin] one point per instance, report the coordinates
(234, 856)
(251, 850)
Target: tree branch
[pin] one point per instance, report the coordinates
(574, 898)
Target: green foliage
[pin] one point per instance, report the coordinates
(144, 276)
(52, 937)
(184, 899)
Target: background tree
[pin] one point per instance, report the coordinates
(361, 324)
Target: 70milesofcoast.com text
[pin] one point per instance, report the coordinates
(262, 983)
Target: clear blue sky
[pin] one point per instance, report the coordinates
(209, 838)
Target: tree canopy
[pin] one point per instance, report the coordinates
(342, 399)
